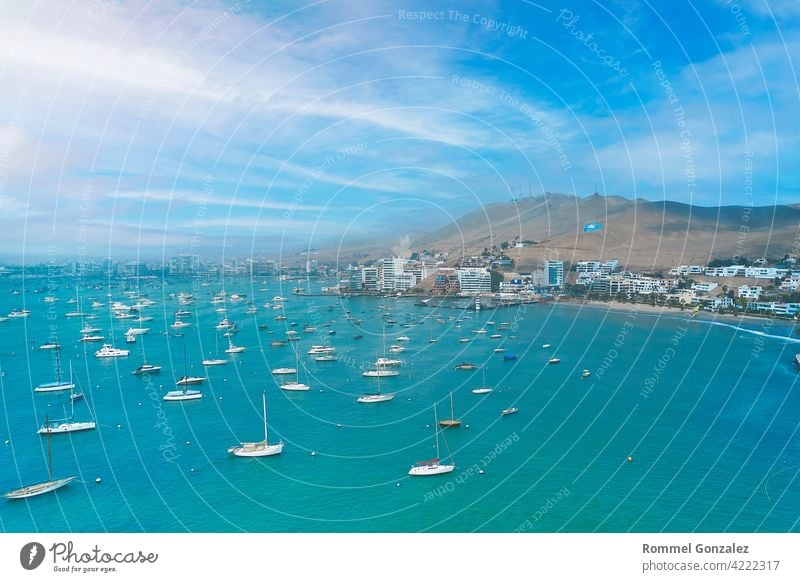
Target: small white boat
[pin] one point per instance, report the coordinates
(282, 371)
(396, 349)
(484, 390)
(374, 398)
(19, 313)
(180, 324)
(545, 346)
(295, 386)
(386, 362)
(137, 330)
(553, 360)
(89, 330)
(585, 374)
(93, 338)
(215, 362)
(187, 380)
(232, 349)
(495, 336)
(380, 373)
(177, 395)
(403, 338)
(146, 369)
(63, 426)
(326, 358)
(130, 338)
(507, 411)
(50, 346)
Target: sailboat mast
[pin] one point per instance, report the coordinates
(452, 413)
(264, 404)
(436, 430)
(49, 451)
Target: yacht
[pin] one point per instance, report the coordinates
(89, 330)
(232, 349)
(186, 380)
(137, 330)
(481, 390)
(92, 338)
(130, 338)
(321, 350)
(284, 371)
(109, 351)
(19, 313)
(403, 338)
(396, 349)
(466, 366)
(386, 362)
(215, 362)
(178, 324)
(146, 369)
(325, 358)
(58, 384)
(50, 346)
(553, 360)
(507, 411)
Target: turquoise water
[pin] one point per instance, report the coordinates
(708, 413)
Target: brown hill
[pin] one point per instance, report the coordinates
(643, 235)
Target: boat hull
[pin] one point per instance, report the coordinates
(428, 470)
(256, 450)
(38, 489)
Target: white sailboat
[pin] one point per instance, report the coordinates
(186, 379)
(44, 487)
(432, 467)
(58, 384)
(377, 397)
(215, 361)
(295, 385)
(258, 449)
(67, 424)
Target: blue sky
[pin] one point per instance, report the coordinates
(136, 128)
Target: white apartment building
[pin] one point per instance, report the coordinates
(474, 280)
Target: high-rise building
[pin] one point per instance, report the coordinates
(184, 264)
(554, 272)
(474, 280)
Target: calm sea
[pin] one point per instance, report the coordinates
(682, 425)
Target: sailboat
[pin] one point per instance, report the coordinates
(377, 397)
(294, 385)
(262, 448)
(185, 394)
(483, 389)
(67, 424)
(215, 361)
(432, 467)
(46, 486)
(445, 422)
(57, 385)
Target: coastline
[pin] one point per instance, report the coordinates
(658, 310)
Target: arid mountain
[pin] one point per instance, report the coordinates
(642, 235)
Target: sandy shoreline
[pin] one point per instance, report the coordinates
(672, 311)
